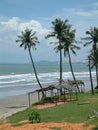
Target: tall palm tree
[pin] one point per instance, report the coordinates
(92, 89)
(94, 62)
(68, 40)
(28, 40)
(93, 38)
(58, 27)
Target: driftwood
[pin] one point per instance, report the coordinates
(93, 116)
(83, 103)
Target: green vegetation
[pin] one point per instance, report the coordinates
(34, 117)
(55, 128)
(92, 38)
(68, 112)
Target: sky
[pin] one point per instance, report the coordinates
(16, 15)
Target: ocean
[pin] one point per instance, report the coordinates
(16, 79)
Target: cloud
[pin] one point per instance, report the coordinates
(83, 13)
(95, 4)
(9, 29)
(79, 12)
(17, 25)
(10, 24)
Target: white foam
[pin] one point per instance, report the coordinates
(26, 79)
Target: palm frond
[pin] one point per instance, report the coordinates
(75, 47)
(86, 38)
(21, 44)
(27, 39)
(25, 47)
(87, 43)
(55, 43)
(56, 49)
(92, 66)
(17, 40)
(73, 51)
(50, 35)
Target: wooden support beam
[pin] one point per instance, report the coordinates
(29, 98)
(64, 96)
(38, 96)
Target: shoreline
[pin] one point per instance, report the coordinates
(14, 104)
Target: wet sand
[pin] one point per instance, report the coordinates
(14, 104)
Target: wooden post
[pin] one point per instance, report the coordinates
(76, 96)
(58, 94)
(56, 99)
(64, 96)
(38, 96)
(51, 92)
(70, 95)
(29, 98)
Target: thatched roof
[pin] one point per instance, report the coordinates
(65, 85)
(51, 87)
(79, 82)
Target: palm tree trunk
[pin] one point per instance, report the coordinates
(60, 66)
(97, 76)
(97, 79)
(94, 47)
(35, 71)
(72, 70)
(60, 82)
(91, 77)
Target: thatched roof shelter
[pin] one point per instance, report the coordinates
(80, 83)
(65, 87)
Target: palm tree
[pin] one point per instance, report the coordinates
(58, 27)
(28, 40)
(93, 38)
(94, 58)
(94, 61)
(92, 89)
(68, 40)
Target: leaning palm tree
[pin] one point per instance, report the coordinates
(58, 27)
(93, 38)
(68, 40)
(94, 62)
(28, 40)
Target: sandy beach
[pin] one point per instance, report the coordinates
(13, 104)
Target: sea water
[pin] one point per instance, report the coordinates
(16, 79)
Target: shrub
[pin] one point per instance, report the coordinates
(34, 117)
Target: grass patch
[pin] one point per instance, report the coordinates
(20, 124)
(3, 121)
(55, 128)
(68, 112)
